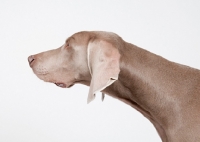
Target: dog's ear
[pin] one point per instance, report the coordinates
(103, 63)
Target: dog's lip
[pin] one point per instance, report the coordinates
(60, 85)
(63, 85)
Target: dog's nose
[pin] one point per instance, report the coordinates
(31, 59)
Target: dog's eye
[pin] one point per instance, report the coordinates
(67, 44)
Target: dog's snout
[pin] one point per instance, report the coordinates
(31, 59)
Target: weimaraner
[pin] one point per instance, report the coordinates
(166, 93)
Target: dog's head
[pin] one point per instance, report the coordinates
(84, 58)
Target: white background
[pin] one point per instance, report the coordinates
(34, 111)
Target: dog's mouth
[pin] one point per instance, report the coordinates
(62, 85)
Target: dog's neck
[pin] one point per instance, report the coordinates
(157, 88)
(145, 75)
(154, 86)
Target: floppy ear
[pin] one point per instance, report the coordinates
(103, 63)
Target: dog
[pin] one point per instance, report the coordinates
(166, 93)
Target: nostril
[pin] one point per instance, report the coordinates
(31, 59)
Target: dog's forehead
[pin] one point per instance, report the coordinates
(69, 39)
(80, 37)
